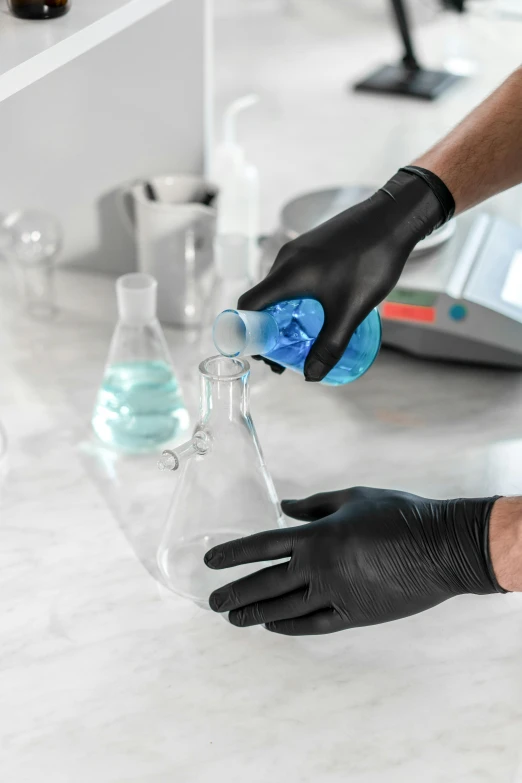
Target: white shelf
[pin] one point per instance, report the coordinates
(30, 50)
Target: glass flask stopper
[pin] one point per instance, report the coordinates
(139, 405)
(223, 489)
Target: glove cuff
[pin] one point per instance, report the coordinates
(439, 189)
(486, 548)
(468, 551)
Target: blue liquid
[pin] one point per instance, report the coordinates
(300, 322)
(139, 406)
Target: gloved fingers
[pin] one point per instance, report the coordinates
(270, 545)
(274, 288)
(285, 607)
(322, 622)
(329, 346)
(314, 507)
(267, 583)
(274, 366)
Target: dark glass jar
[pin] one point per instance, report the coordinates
(39, 9)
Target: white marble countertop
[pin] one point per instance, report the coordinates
(106, 677)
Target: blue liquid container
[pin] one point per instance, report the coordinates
(285, 333)
(139, 406)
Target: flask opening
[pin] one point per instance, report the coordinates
(230, 333)
(223, 368)
(249, 332)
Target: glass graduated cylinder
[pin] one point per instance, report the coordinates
(286, 332)
(223, 490)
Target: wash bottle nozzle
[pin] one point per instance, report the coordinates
(230, 116)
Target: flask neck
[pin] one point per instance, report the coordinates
(245, 333)
(225, 393)
(224, 402)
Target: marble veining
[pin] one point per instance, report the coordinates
(106, 677)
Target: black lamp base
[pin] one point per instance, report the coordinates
(400, 80)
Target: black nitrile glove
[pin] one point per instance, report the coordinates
(368, 556)
(351, 262)
(274, 366)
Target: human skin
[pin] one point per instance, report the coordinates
(482, 156)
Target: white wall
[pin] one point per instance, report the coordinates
(131, 107)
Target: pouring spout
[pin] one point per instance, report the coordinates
(199, 445)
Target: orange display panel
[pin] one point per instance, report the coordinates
(405, 312)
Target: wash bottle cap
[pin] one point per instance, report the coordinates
(245, 333)
(136, 294)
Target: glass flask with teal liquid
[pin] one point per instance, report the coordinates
(285, 333)
(139, 405)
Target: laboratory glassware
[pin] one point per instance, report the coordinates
(173, 222)
(139, 405)
(231, 279)
(31, 241)
(285, 333)
(39, 9)
(238, 183)
(223, 490)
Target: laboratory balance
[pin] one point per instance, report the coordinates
(459, 297)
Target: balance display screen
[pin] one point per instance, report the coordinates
(405, 305)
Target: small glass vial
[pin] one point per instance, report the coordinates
(39, 9)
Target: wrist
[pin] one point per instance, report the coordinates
(438, 187)
(505, 542)
(412, 203)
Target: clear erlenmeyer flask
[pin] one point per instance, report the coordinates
(223, 488)
(139, 405)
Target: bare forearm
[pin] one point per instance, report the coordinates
(483, 155)
(505, 542)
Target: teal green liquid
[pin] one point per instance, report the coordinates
(139, 406)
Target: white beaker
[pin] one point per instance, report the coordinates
(174, 231)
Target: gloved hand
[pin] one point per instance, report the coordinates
(368, 556)
(274, 366)
(351, 262)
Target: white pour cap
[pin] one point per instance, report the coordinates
(137, 295)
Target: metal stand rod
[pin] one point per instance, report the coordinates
(401, 18)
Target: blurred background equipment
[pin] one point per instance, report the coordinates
(39, 9)
(409, 77)
(455, 5)
(173, 220)
(31, 241)
(462, 302)
(119, 92)
(238, 182)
